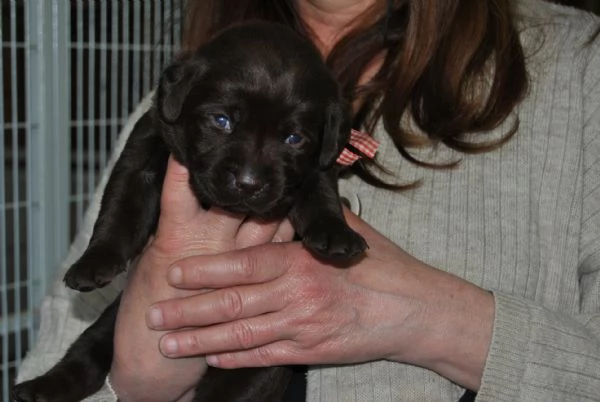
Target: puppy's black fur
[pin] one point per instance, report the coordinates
(259, 121)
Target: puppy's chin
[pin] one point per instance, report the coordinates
(272, 211)
(265, 205)
(260, 209)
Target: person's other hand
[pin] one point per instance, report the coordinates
(278, 305)
(139, 371)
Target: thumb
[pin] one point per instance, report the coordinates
(178, 205)
(360, 226)
(378, 243)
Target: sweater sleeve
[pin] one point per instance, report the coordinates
(537, 354)
(65, 314)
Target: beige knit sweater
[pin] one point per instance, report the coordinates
(523, 221)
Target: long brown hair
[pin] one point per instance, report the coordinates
(455, 67)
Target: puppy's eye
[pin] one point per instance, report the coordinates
(293, 139)
(222, 122)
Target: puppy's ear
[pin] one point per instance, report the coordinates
(336, 133)
(175, 84)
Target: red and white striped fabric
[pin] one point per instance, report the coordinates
(361, 141)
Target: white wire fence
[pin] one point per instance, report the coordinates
(71, 72)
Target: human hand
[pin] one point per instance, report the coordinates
(276, 305)
(184, 229)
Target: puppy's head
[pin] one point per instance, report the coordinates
(253, 115)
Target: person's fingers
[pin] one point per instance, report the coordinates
(215, 307)
(244, 267)
(218, 225)
(254, 232)
(178, 204)
(274, 354)
(237, 335)
(182, 217)
(360, 226)
(285, 232)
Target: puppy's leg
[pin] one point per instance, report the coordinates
(319, 220)
(129, 209)
(264, 384)
(82, 370)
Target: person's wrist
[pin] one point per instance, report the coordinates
(132, 385)
(448, 328)
(123, 387)
(463, 329)
(462, 355)
(137, 362)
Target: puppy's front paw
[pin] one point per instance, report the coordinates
(334, 240)
(93, 270)
(42, 389)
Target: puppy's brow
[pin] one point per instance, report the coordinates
(211, 108)
(299, 106)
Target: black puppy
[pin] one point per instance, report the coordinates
(259, 121)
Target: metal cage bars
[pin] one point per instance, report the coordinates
(72, 71)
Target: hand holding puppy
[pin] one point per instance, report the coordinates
(184, 229)
(275, 304)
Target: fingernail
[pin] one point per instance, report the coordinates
(175, 276)
(155, 317)
(212, 360)
(169, 346)
(177, 167)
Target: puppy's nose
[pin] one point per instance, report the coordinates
(246, 182)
